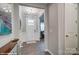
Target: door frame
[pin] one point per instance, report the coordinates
(40, 6)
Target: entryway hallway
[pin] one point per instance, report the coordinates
(61, 29)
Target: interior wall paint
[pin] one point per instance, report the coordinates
(5, 39)
(22, 18)
(15, 21)
(61, 28)
(78, 26)
(53, 29)
(46, 28)
(56, 28)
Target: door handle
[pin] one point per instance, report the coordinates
(76, 35)
(67, 35)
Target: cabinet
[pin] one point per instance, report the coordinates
(14, 50)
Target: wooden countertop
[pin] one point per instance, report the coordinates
(8, 47)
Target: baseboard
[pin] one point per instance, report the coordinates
(31, 42)
(47, 50)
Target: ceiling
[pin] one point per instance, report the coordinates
(32, 10)
(36, 5)
(5, 7)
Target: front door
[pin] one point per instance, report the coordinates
(30, 28)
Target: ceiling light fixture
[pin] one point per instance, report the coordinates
(4, 8)
(10, 10)
(6, 11)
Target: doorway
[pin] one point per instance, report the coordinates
(42, 27)
(32, 24)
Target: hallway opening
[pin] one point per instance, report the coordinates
(32, 30)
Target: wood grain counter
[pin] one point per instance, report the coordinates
(8, 47)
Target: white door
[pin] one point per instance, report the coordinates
(30, 28)
(71, 28)
(71, 43)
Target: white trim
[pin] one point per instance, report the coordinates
(47, 50)
(31, 42)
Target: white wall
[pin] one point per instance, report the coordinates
(61, 28)
(5, 39)
(15, 21)
(56, 29)
(53, 28)
(78, 25)
(22, 18)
